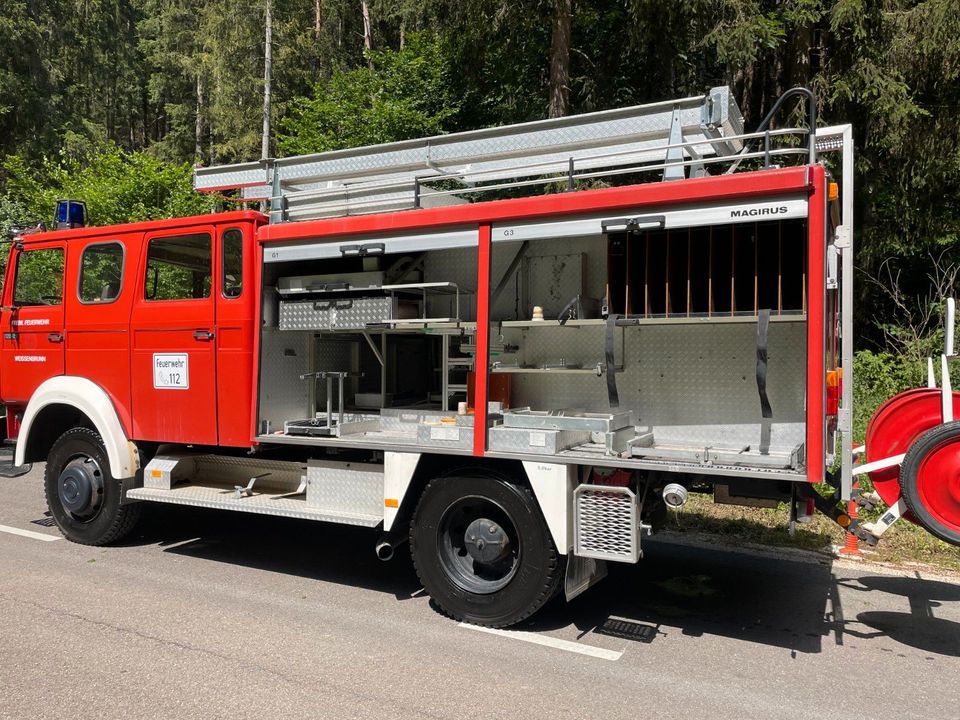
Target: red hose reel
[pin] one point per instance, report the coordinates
(928, 478)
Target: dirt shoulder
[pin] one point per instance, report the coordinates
(905, 546)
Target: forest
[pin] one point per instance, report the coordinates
(114, 101)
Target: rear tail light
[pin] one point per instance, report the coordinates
(834, 389)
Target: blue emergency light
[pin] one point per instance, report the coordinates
(70, 214)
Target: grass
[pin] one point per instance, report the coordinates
(905, 544)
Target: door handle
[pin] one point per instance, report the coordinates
(55, 337)
(203, 335)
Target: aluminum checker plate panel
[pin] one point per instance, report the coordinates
(222, 498)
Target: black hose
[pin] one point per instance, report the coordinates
(811, 117)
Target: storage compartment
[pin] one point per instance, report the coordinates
(385, 315)
(350, 489)
(670, 383)
(680, 362)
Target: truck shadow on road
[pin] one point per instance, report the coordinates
(777, 601)
(319, 551)
(774, 600)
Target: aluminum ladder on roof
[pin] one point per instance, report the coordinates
(675, 134)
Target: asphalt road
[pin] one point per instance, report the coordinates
(208, 615)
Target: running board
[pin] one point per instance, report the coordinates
(224, 497)
(340, 492)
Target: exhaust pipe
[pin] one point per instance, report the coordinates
(388, 543)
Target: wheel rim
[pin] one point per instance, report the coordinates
(478, 545)
(938, 483)
(80, 488)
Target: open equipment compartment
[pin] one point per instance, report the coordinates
(645, 356)
(673, 310)
(360, 338)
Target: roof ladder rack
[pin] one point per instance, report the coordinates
(675, 136)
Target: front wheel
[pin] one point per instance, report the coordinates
(482, 549)
(82, 495)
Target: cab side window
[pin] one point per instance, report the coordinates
(39, 278)
(179, 268)
(232, 252)
(101, 273)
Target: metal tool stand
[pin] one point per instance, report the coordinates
(331, 424)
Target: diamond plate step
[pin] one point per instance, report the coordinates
(223, 497)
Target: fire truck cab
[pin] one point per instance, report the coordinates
(521, 387)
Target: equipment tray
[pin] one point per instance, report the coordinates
(567, 420)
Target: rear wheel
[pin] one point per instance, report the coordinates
(930, 481)
(82, 495)
(483, 550)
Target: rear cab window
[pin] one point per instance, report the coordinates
(232, 254)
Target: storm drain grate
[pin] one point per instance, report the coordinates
(627, 630)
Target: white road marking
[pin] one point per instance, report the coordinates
(29, 534)
(547, 641)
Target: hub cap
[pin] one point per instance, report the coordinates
(80, 487)
(478, 545)
(938, 483)
(486, 541)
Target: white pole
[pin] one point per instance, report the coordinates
(946, 392)
(948, 330)
(267, 72)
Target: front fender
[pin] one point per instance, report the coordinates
(90, 399)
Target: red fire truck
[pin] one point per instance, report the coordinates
(517, 348)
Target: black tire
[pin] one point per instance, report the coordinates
(526, 580)
(917, 475)
(102, 519)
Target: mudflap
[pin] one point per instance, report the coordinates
(7, 468)
(582, 573)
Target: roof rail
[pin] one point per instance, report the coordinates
(678, 137)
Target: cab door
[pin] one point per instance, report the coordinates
(33, 324)
(173, 371)
(235, 330)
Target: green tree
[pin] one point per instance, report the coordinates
(116, 185)
(405, 94)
